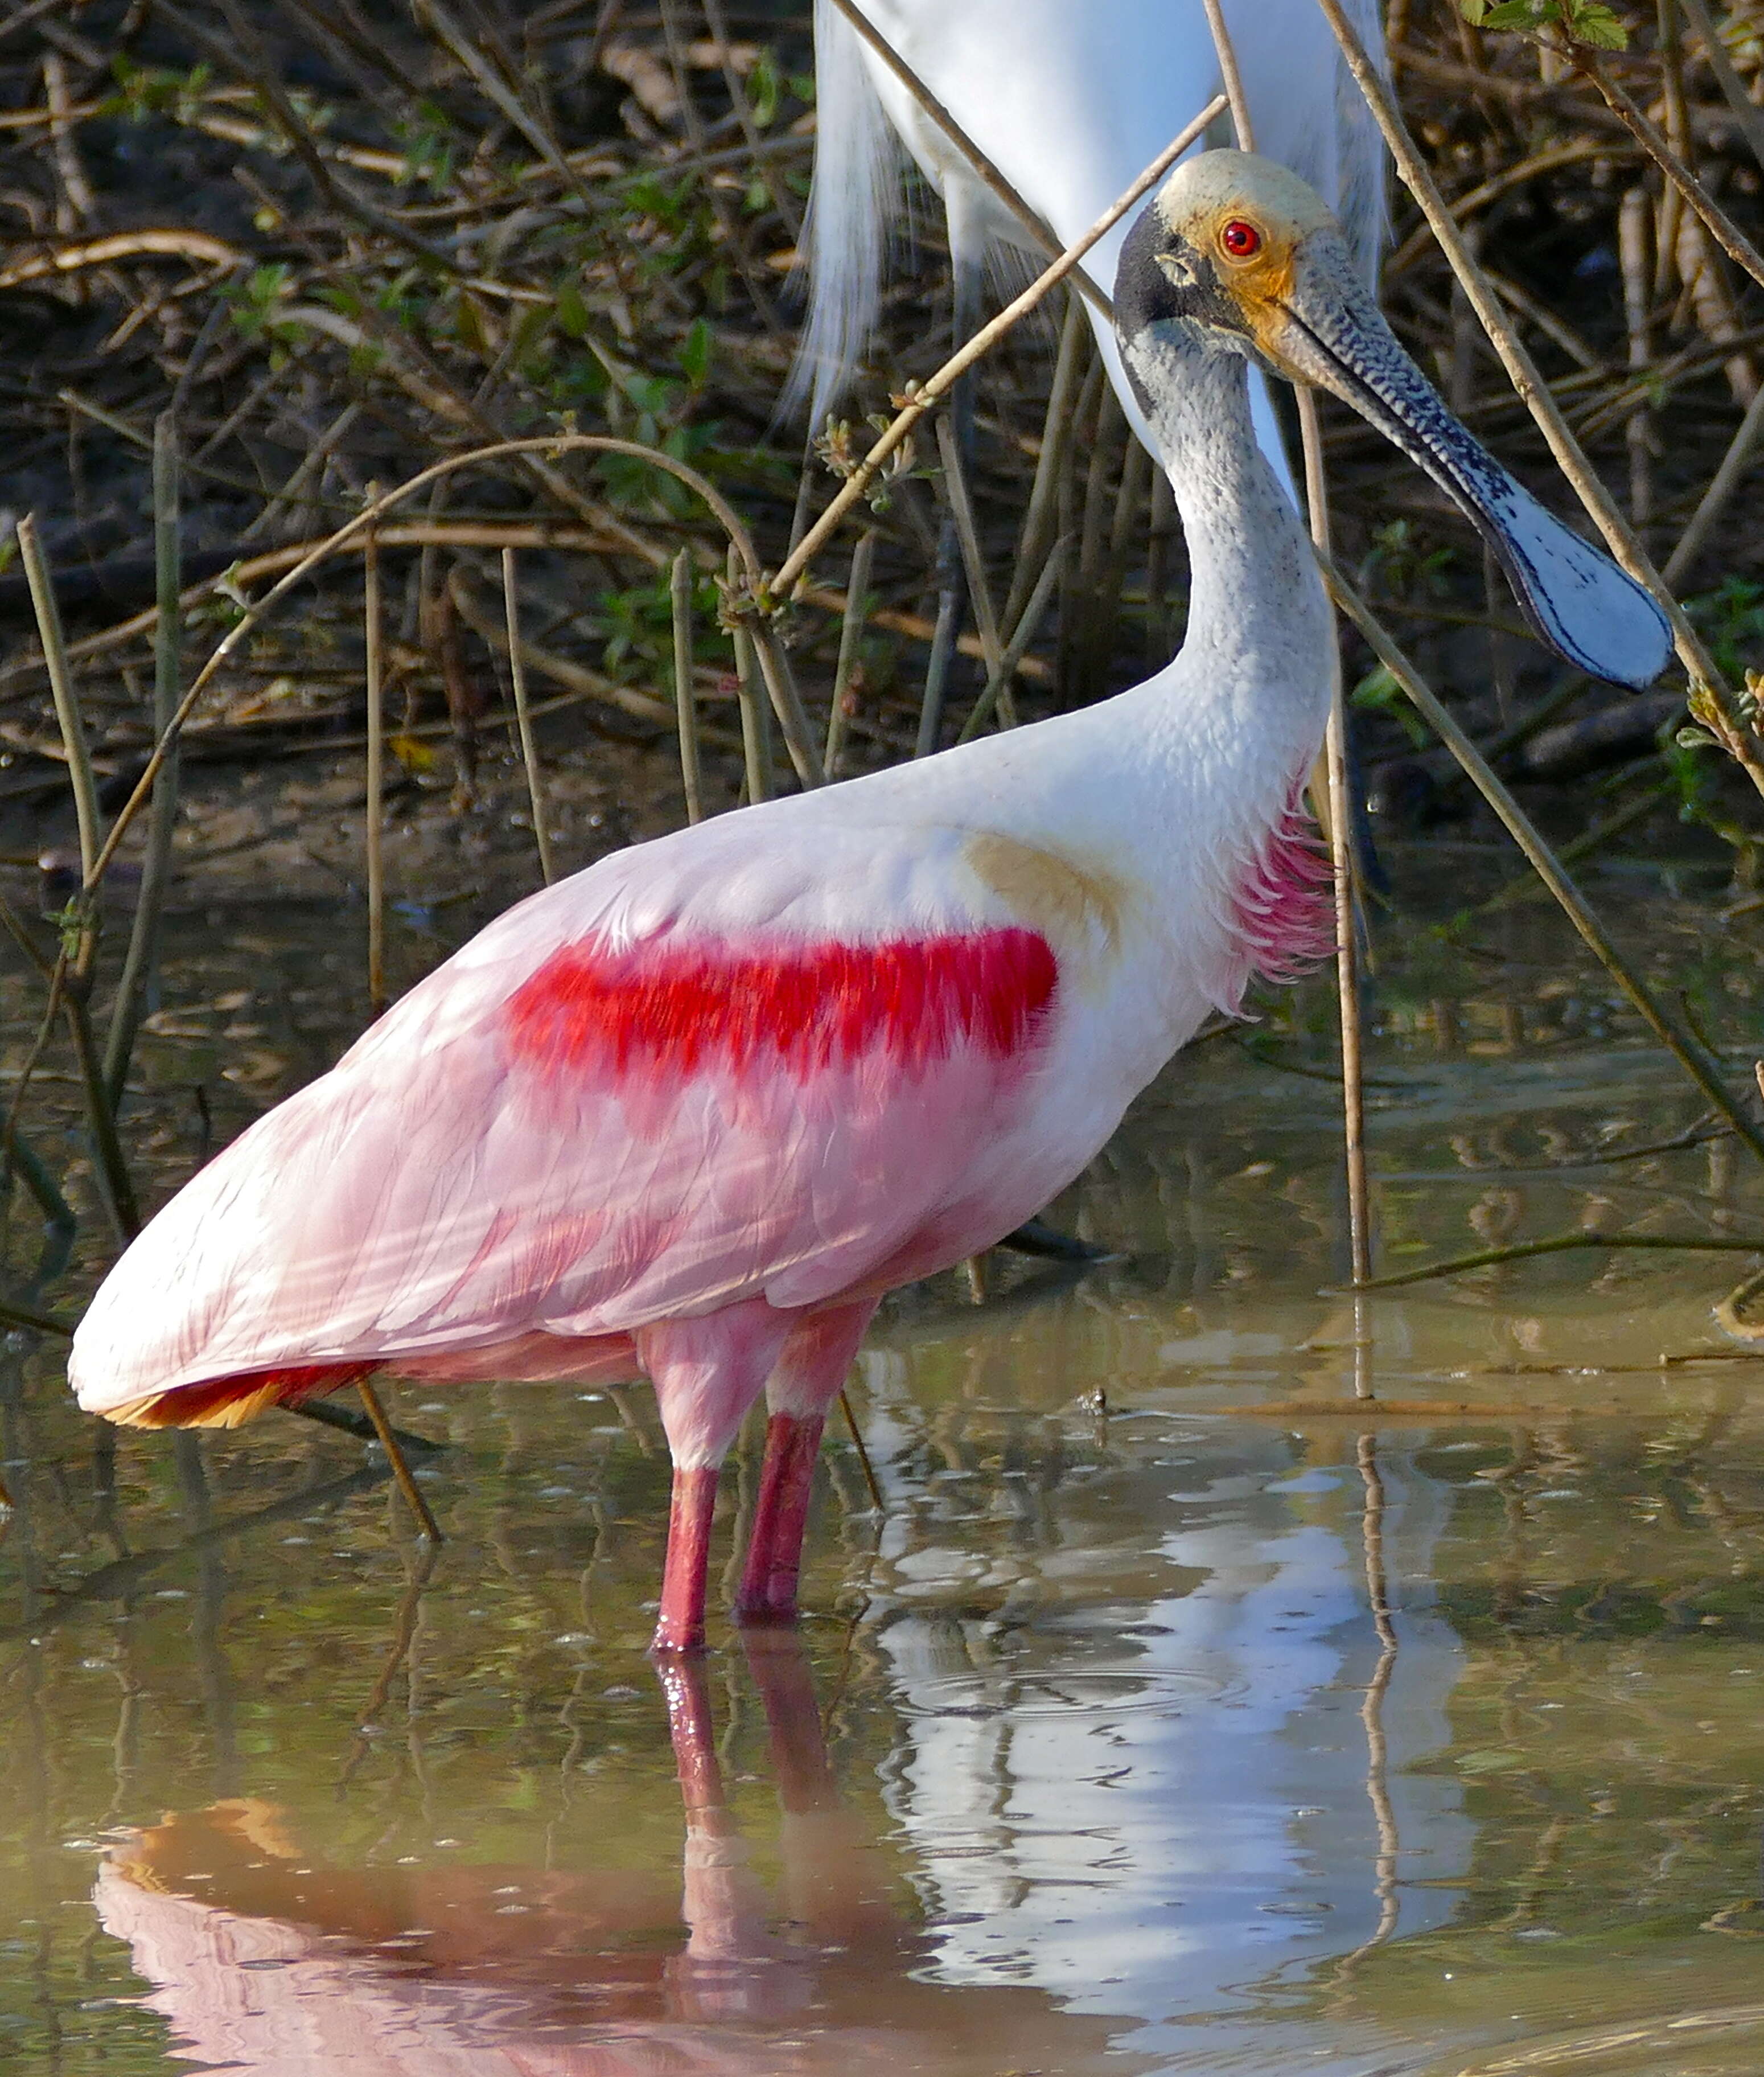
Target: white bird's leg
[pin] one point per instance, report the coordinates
(814, 1363)
(707, 1372)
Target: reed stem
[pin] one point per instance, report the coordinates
(140, 961)
(67, 706)
(1022, 635)
(857, 594)
(523, 715)
(376, 808)
(685, 701)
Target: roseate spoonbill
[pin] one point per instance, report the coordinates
(693, 1111)
(1068, 98)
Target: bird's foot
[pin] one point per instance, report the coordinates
(1036, 1237)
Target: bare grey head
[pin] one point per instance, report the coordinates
(1235, 255)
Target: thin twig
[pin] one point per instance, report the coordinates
(967, 535)
(1721, 227)
(1040, 521)
(780, 685)
(1231, 76)
(111, 1163)
(523, 718)
(1742, 451)
(375, 821)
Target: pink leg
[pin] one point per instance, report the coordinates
(813, 1366)
(707, 1373)
(679, 1626)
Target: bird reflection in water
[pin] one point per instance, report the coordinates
(269, 1962)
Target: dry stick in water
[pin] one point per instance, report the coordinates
(931, 392)
(1633, 218)
(401, 1470)
(870, 1478)
(857, 591)
(162, 821)
(1711, 699)
(685, 703)
(523, 716)
(70, 980)
(376, 814)
(1696, 1060)
(1522, 1251)
(1347, 978)
(31, 1166)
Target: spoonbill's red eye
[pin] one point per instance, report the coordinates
(1242, 240)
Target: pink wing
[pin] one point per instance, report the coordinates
(675, 1082)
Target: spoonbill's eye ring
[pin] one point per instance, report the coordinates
(1242, 240)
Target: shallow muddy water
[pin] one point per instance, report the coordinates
(1179, 1711)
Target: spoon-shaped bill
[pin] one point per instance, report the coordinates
(1327, 331)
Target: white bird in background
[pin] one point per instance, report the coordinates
(1071, 100)
(693, 1111)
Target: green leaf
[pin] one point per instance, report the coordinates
(763, 89)
(1589, 22)
(695, 353)
(572, 318)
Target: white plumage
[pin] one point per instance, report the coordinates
(1071, 100)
